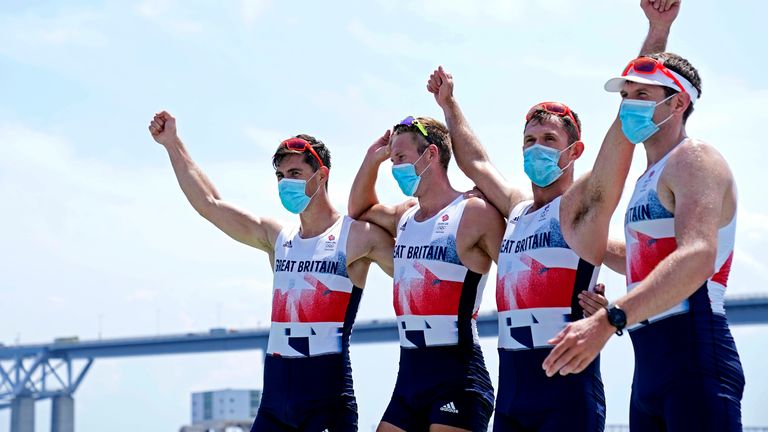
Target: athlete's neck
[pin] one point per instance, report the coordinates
(435, 194)
(662, 143)
(318, 216)
(545, 195)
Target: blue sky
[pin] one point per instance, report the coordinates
(93, 224)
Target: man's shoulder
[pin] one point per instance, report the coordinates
(693, 149)
(364, 230)
(478, 209)
(695, 156)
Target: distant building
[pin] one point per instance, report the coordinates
(223, 410)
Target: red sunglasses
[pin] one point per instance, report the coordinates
(556, 108)
(300, 145)
(649, 66)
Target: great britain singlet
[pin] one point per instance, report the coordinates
(442, 377)
(538, 281)
(539, 278)
(436, 298)
(686, 364)
(307, 371)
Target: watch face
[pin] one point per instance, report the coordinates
(617, 317)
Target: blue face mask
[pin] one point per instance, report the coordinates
(637, 119)
(541, 164)
(406, 177)
(292, 194)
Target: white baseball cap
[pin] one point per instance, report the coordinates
(657, 74)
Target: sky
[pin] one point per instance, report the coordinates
(97, 240)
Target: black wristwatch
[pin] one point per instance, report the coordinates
(617, 318)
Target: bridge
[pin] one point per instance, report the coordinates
(29, 373)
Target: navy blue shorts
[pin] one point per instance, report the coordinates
(688, 375)
(335, 416)
(441, 385)
(307, 394)
(528, 400)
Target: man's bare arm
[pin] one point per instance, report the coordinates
(588, 205)
(661, 14)
(616, 256)
(380, 245)
(363, 203)
(200, 192)
(470, 155)
(492, 228)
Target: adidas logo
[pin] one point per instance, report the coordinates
(288, 244)
(449, 407)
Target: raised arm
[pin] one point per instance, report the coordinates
(588, 205)
(236, 223)
(470, 154)
(661, 14)
(363, 202)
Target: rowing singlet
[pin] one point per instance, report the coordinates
(307, 370)
(314, 302)
(442, 378)
(538, 281)
(539, 278)
(691, 337)
(436, 298)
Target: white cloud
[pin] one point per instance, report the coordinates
(266, 139)
(169, 15)
(71, 28)
(390, 44)
(463, 13)
(252, 10)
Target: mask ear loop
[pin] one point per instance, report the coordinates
(425, 169)
(661, 102)
(318, 187)
(571, 162)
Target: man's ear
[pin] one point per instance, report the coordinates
(323, 174)
(681, 102)
(434, 151)
(577, 149)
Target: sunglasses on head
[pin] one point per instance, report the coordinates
(300, 145)
(411, 121)
(556, 108)
(649, 66)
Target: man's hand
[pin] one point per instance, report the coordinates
(440, 84)
(593, 301)
(578, 344)
(163, 128)
(379, 151)
(660, 13)
(475, 193)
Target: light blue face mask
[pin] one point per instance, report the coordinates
(637, 119)
(406, 177)
(540, 163)
(292, 194)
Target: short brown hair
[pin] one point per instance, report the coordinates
(317, 145)
(571, 129)
(683, 67)
(437, 134)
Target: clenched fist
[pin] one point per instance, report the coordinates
(163, 128)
